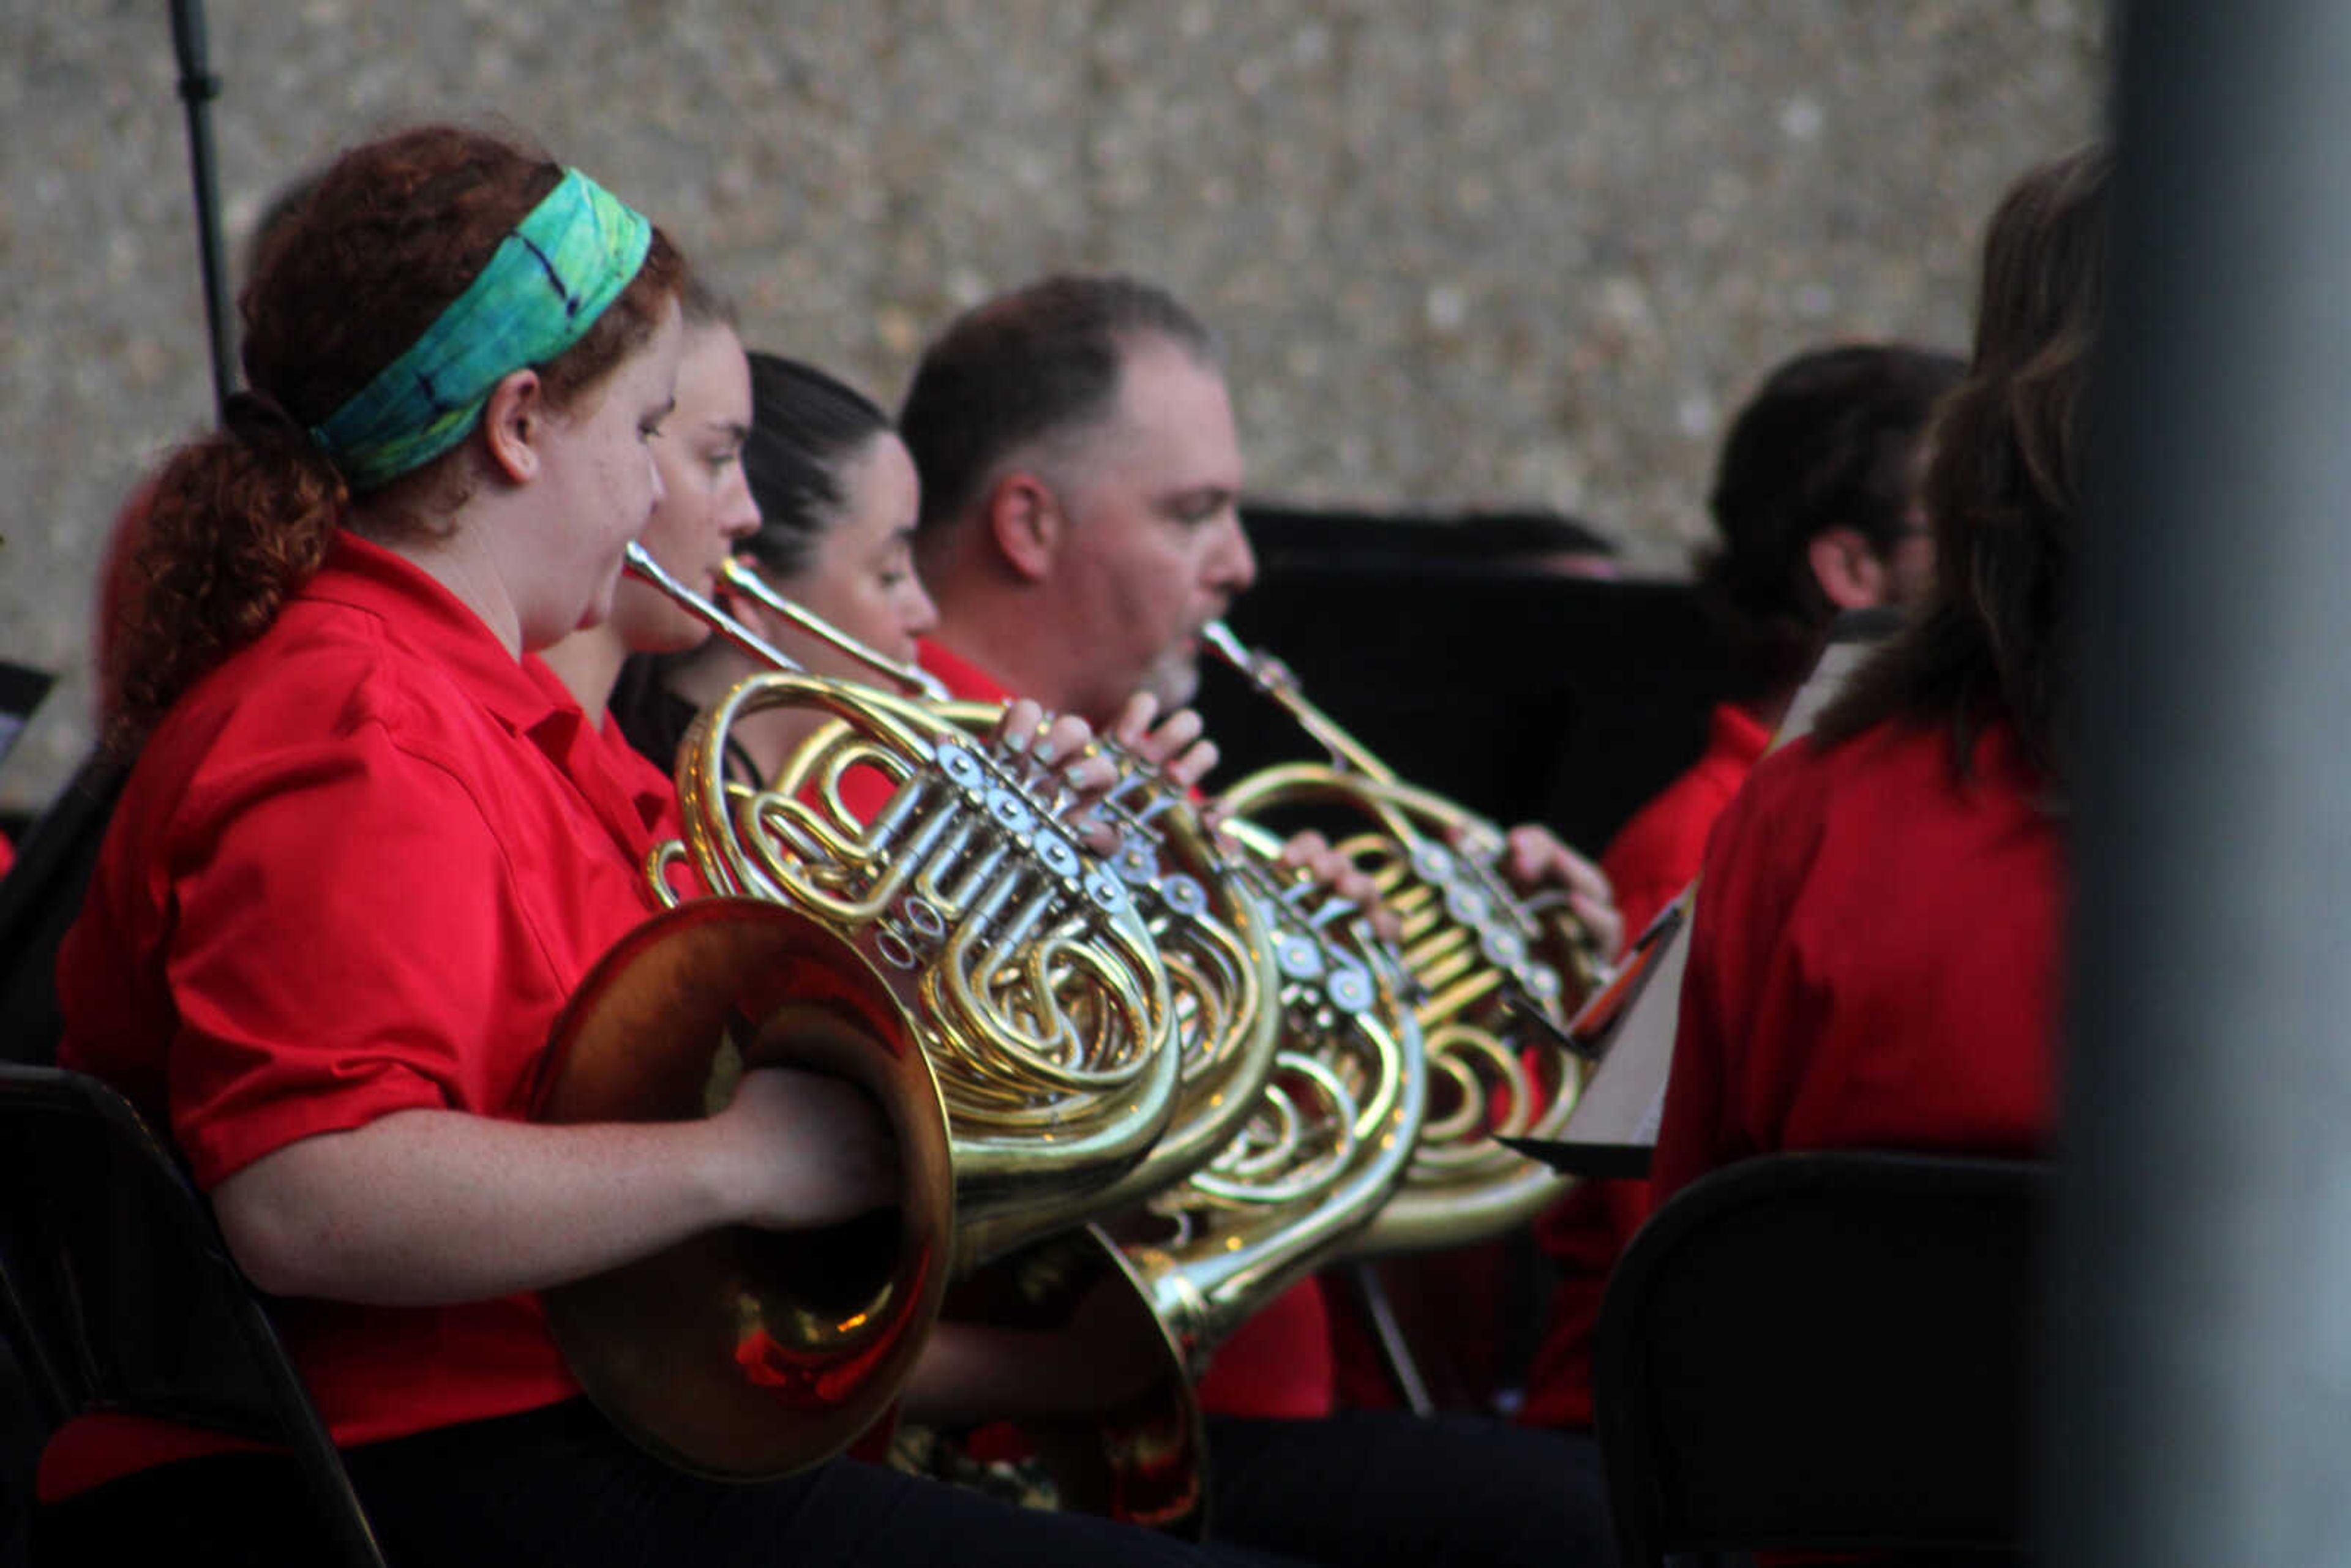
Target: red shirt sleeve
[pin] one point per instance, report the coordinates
(1654, 856)
(1649, 862)
(326, 940)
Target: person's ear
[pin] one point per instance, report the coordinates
(514, 426)
(1025, 521)
(1849, 570)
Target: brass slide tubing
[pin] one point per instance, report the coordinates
(1029, 990)
(1206, 925)
(1491, 998)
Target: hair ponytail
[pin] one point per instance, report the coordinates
(235, 523)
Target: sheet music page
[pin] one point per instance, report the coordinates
(1626, 1097)
(1838, 661)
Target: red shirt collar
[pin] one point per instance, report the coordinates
(421, 613)
(1734, 732)
(964, 679)
(523, 694)
(599, 756)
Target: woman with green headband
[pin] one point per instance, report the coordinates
(367, 853)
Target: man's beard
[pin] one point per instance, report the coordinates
(1174, 678)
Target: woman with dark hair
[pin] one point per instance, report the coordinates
(823, 455)
(836, 498)
(1876, 950)
(367, 853)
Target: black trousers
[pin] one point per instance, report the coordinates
(1381, 1487)
(561, 1488)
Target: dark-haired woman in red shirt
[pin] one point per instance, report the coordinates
(1877, 944)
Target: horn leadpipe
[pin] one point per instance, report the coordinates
(640, 564)
(1271, 677)
(913, 677)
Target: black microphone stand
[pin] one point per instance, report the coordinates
(198, 87)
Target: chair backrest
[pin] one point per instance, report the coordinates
(118, 1295)
(1829, 1351)
(40, 898)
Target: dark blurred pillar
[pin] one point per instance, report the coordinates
(2202, 1366)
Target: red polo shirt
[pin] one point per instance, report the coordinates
(1875, 958)
(358, 869)
(1652, 857)
(1279, 1365)
(964, 680)
(1655, 855)
(632, 773)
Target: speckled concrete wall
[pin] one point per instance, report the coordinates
(1486, 252)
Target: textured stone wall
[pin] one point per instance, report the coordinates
(1477, 253)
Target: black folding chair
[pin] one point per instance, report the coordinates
(117, 1293)
(1825, 1352)
(40, 898)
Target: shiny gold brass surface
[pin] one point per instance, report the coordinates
(747, 581)
(1032, 979)
(1487, 963)
(1291, 1166)
(1325, 1145)
(1212, 918)
(1301, 1083)
(1091, 1019)
(1205, 923)
(747, 1353)
(1141, 1458)
(1235, 950)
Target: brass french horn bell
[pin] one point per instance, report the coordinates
(1235, 949)
(746, 1353)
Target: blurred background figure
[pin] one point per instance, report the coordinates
(1815, 503)
(1877, 945)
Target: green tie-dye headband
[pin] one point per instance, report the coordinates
(546, 286)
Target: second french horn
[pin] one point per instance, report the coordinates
(1497, 975)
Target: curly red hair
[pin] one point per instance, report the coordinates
(389, 234)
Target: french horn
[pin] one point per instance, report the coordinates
(965, 937)
(744, 1354)
(1294, 1152)
(1209, 926)
(1497, 975)
(1323, 1151)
